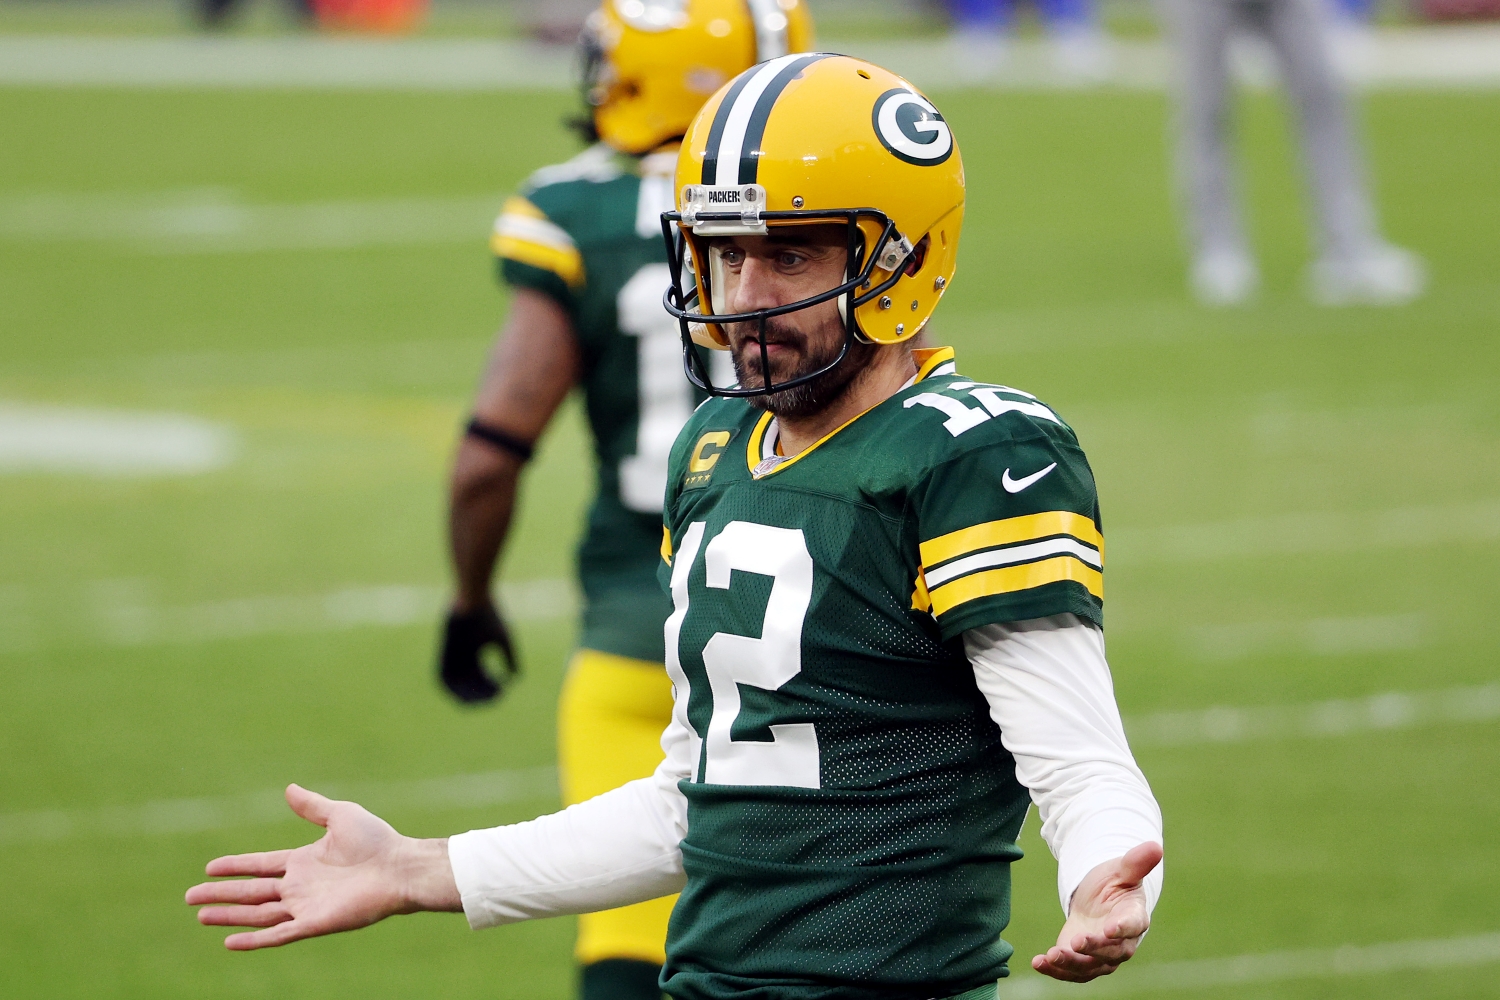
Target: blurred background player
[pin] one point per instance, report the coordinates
(217, 14)
(982, 30)
(1352, 12)
(581, 249)
(1353, 264)
(390, 17)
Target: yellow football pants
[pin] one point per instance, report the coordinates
(610, 719)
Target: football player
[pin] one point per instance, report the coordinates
(581, 249)
(1355, 264)
(886, 638)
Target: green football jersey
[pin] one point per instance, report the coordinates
(853, 813)
(588, 234)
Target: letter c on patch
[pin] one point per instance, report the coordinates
(707, 451)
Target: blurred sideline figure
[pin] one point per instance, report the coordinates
(982, 31)
(581, 248)
(1354, 264)
(389, 17)
(1352, 35)
(216, 14)
(1353, 10)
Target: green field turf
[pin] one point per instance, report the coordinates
(1303, 504)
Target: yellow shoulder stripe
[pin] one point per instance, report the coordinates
(566, 263)
(523, 233)
(1010, 579)
(524, 221)
(516, 205)
(666, 545)
(1011, 529)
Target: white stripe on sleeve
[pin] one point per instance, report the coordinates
(532, 230)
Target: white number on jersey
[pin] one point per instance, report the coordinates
(962, 418)
(666, 398)
(767, 662)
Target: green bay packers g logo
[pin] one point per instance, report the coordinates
(911, 128)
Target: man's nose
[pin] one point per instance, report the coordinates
(757, 287)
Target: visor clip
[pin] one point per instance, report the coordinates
(693, 200)
(896, 250)
(885, 302)
(750, 205)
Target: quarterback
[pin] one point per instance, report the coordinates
(581, 248)
(887, 608)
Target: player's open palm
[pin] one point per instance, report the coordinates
(341, 882)
(1106, 920)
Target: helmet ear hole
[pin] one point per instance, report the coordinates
(918, 257)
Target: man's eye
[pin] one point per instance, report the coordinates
(790, 260)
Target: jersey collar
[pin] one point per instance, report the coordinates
(762, 452)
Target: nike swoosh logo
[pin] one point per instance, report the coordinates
(1017, 485)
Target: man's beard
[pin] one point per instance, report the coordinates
(810, 397)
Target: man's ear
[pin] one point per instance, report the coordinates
(918, 257)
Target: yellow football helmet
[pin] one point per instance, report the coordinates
(648, 65)
(818, 138)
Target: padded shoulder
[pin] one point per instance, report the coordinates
(598, 164)
(950, 416)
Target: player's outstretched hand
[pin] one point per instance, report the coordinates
(1106, 920)
(359, 872)
(467, 637)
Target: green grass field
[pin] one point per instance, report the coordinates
(1303, 505)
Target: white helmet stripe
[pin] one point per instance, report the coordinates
(731, 144)
(747, 116)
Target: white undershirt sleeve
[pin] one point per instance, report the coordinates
(1049, 690)
(612, 850)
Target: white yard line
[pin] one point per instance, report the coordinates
(214, 220)
(126, 617)
(1315, 636)
(1458, 57)
(1271, 967)
(124, 613)
(64, 439)
(284, 63)
(228, 812)
(1307, 533)
(1388, 711)
(1391, 711)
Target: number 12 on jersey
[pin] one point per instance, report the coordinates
(767, 661)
